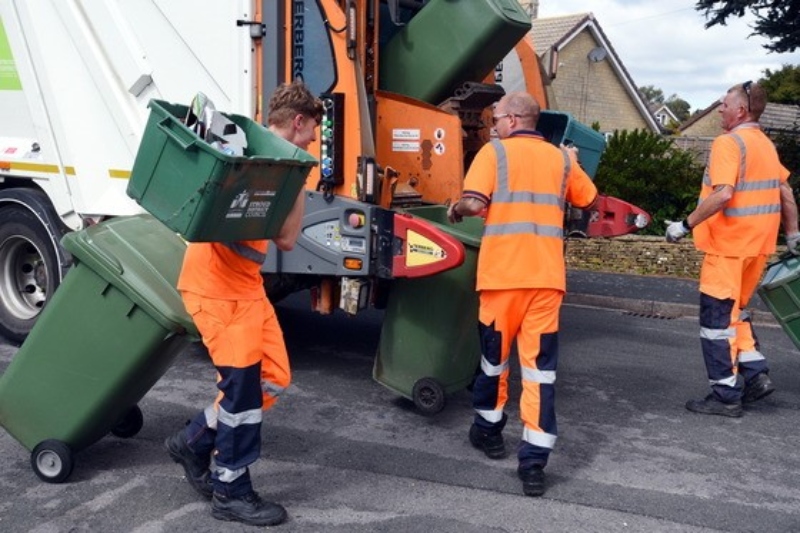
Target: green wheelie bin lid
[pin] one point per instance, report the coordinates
(142, 258)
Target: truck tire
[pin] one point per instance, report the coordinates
(29, 270)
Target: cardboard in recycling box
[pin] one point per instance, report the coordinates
(207, 195)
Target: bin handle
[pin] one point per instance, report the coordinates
(166, 125)
(783, 257)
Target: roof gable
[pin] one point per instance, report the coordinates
(554, 33)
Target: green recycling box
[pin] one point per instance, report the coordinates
(559, 127)
(429, 345)
(780, 290)
(207, 195)
(448, 43)
(111, 330)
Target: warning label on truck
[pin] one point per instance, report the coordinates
(405, 134)
(9, 78)
(402, 146)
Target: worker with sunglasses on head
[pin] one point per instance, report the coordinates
(744, 199)
(523, 182)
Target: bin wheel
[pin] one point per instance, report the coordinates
(51, 460)
(130, 424)
(428, 396)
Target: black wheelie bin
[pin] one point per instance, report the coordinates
(112, 329)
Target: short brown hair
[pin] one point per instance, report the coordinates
(291, 99)
(754, 95)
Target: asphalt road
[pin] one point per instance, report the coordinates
(345, 454)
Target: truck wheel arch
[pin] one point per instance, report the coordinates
(32, 260)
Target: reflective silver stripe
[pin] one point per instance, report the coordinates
(706, 178)
(752, 210)
(246, 251)
(227, 475)
(717, 334)
(493, 370)
(547, 377)
(744, 315)
(538, 438)
(211, 416)
(519, 197)
(749, 357)
(272, 389)
(251, 416)
(743, 185)
(758, 185)
(728, 382)
(502, 194)
(567, 168)
(494, 416)
(743, 160)
(502, 166)
(523, 227)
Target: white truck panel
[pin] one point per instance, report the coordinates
(87, 69)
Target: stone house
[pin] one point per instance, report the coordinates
(664, 116)
(585, 77)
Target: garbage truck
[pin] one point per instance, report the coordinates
(407, 88)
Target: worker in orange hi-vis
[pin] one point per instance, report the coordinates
(745, 197)
(223, 290)
(523, 182)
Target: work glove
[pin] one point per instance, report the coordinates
(677, 230)
(793, 243)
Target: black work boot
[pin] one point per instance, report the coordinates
(532, 480)
(710, 405)
(491, 444)
(248, 509)
(758, 387)
(195, 466)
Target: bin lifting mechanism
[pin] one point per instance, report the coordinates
(421, 249)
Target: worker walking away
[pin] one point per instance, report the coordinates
(523, 182)
(745, 197)
(223, 290)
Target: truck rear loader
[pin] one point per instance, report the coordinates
(407, 88)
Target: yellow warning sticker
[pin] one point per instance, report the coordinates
(421, 250)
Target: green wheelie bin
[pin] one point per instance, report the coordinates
(429, 345)
(112, 329)
(780, 290)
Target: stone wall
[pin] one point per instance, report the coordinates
(635, 254)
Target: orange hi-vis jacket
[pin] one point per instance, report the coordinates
(224, 271)
(748, 226)
(525, 181)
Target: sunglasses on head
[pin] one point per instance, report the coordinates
(746, 88)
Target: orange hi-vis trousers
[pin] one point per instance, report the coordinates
(730, 346)
(245, 342)
(531, 317)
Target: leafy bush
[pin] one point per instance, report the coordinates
(649, 171)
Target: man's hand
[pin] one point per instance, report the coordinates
(676, 230)
(793, 243)
(454, 217)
